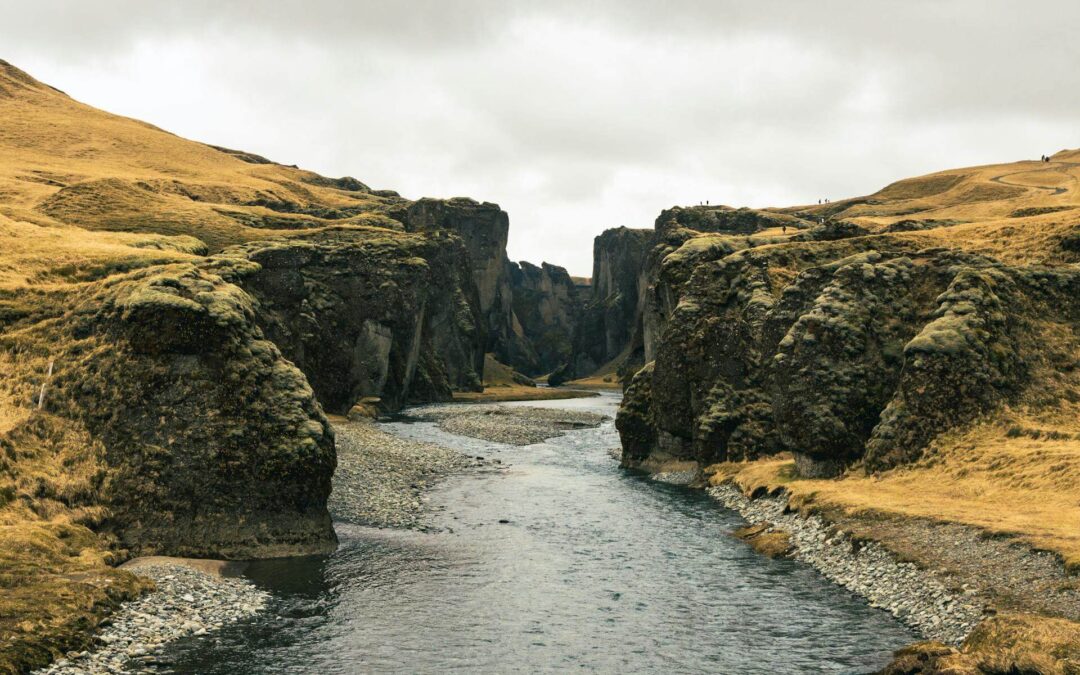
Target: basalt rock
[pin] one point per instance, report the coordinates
(831, 230)
(484, 228)
(610, 325)
(547, 307)
(838, 351)
(211, 443)
(721, 219)
(366, 314)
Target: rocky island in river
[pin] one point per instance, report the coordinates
(209, 358)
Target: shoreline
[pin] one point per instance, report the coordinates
(917, 597)
(192, 598)
(517, 426)
(381, 478)
(978, 601)
(381, 481)
(508, 394)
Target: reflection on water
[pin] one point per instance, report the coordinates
(596, 570)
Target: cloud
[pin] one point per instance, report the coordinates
(578, 116)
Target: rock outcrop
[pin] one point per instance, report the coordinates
(200, 307)
(860, 348)
(208, 442)
(368, 314)
(611, 323)
(548, 309)
(484, 228)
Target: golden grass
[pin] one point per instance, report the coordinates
(56, 583)
(498, 374)
(1010, 643)
(978, 208)
(997, 477)
(763, 538)
(33, 255)
(608, 381)
(79, 165)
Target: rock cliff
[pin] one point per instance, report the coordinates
(368, 314)
(611, 333)
(204, 439)
(833, 342)
(547, 307)
(530, 313)
(189, 311)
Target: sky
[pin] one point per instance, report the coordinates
(579, 116)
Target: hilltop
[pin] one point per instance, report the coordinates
(66, 162)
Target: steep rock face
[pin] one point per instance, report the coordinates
(836, 351)
(137, 360)
(368, 314)
(611, 319)
(548, 309)
(484, 229)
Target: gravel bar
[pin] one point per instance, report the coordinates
(381, 478)
(186, 602)
(504, 424)
(913, 595)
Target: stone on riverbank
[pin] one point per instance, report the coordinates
(186, 602)
(381, 478)
(511, 425)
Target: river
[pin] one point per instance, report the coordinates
(596, 570)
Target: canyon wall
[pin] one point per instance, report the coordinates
(846, 348)
(530, 313)
(171, 425)
(611, 333)
(367, 315)
(548, 309)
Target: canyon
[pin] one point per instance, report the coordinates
(178, 320)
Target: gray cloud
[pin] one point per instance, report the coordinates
(577, 116)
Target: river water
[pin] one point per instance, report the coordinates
(596, 570)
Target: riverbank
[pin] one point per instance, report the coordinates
(518, 425)
(381, 478)
(190, 598)
(541, 566)
(985, 599)
(917, 597)
(505, 394)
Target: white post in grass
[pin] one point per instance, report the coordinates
(41, 395)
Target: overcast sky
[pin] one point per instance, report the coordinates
(579, 116)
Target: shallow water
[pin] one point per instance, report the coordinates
(597, 570)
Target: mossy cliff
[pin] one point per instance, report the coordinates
(170, 425)
(136, 361)
(861, 348)
(367, 313)
(529, 312)
(484, 229)
(199, 307)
